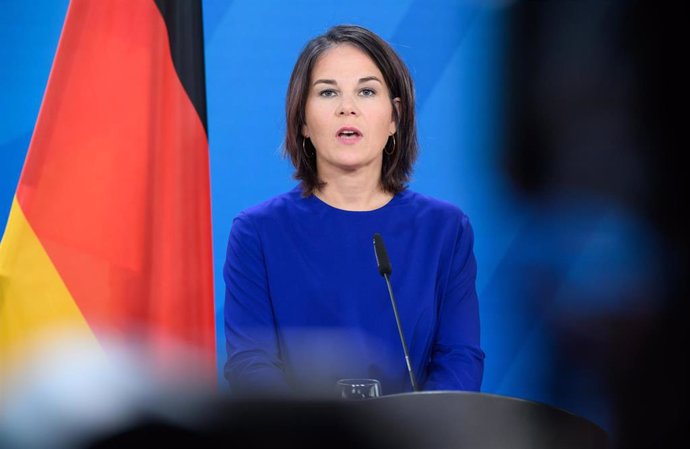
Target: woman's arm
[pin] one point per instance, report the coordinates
(254, 364)
(457, 361)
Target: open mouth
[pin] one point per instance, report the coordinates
(348, 133)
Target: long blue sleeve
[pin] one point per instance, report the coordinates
(456, 358)
(305, 305)
(254, 361)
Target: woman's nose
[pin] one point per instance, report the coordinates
(347, 107)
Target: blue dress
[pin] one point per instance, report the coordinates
(305, 304)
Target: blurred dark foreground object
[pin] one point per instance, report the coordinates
(412, 420)
(597, 112)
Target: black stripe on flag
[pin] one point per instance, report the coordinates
(184, 22)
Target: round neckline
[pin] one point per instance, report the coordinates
(324, 205)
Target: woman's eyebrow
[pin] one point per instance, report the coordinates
(324, 81)
(369, 78)
(334, 83)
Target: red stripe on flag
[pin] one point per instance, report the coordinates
(116, 182)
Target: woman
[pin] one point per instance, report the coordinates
(305, 304)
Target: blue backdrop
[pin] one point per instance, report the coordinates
(535, 264)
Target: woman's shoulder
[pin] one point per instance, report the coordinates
(274, 207)
(434, 206)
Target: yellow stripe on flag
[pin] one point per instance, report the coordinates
(34, 301)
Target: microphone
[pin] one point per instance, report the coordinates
(385, 269)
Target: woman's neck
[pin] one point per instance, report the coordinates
(353, 192)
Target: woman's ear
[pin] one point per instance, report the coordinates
(305, 131)
(396, 115)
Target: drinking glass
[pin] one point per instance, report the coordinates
(358, 388)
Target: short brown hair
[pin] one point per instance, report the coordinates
(396, 168)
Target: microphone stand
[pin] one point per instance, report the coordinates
(413, 380)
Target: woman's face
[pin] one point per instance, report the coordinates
(349, 113)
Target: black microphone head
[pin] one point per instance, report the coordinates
(382, 256)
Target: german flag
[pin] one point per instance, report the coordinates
(110, 228)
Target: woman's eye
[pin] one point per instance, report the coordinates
(368, 92)
(327, 93)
